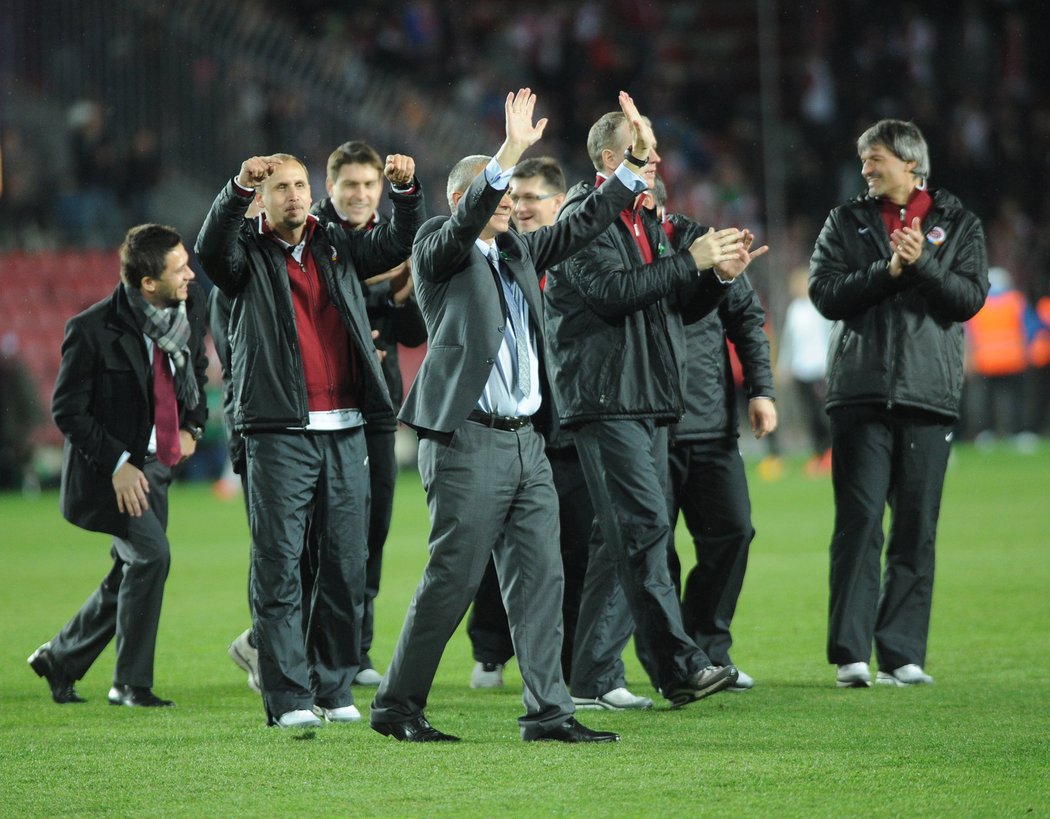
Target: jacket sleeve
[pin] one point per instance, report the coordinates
(444, 244)
(744, 321)
(403, 324)
(705, 292)
(610, 288)
(220, 252)
(388, 244)
(955, 293)
(72, 400)
(553, 244)
(838, 290)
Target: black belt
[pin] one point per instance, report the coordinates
(508, 423)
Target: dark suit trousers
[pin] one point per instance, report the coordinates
(709, 487)
(487, 624)
(299, 481)
(625, 464)
(127, 603)
(382, 474)
(482, 483)
(881, 456)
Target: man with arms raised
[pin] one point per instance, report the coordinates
(480, 389)
(306, 379)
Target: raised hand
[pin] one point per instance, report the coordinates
(254, 171)
(518, 111)
(400, 169)
(642, 137)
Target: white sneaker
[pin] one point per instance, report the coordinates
(619, 699)
(910, 674)
(744, 682)
(368, 676)
(298, 719)
(247, 659)
(853, 675)
(345, 713)
(487, 675)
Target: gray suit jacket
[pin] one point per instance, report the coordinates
(460, 299)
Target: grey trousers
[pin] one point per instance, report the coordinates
(128, 601)
(625, 464)
(481, 482)
(315, 481)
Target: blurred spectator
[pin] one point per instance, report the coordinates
(1037, 330)
(89, 212)
(23, 193)
(20, 414)
(998, 358)
(803, 360)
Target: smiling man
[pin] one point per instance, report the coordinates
(476, 403)
(129, 399)
(306, 378)
(355, 186)
(898, 271)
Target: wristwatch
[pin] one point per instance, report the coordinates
(195, 430)
(633, 160)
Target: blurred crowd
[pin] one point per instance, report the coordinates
(756, 106)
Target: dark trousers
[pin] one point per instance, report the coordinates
(487, 624)
(625, 464)
(481, 483)
(709, 486)
(811, 398)
(298, 482)
(128, 601)
(382, 475)
(884, 456)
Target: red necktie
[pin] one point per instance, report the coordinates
(165, 409)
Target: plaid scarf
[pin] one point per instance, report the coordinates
(170, 330)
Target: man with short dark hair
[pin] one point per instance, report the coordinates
(129, 399)
(898, 270)
(306, 379)
(355, 186)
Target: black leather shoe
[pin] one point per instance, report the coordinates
(63, 689)
(702, 684)
(416, 729)
(572, 731)
(121, 694)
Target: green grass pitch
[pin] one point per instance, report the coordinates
(977, 743)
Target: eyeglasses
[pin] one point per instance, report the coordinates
(530, 198)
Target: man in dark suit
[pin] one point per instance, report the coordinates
(129, 399)
(481, 386)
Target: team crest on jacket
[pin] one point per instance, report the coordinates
(936, 236)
